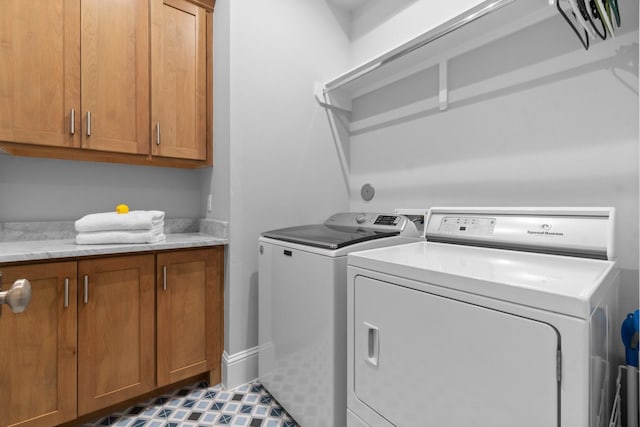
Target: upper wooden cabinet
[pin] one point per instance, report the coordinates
(123, 81)
(46, 99)
(115, 75)
(179, 79)
(39, 71)
(207, 4)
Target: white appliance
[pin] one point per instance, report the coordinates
(303, 309)
(502, 317)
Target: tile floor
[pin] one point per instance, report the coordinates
(198, 405)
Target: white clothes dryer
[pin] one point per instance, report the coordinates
(502, 317)
(302, 297)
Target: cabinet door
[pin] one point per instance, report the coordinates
(40, 71)
(178, 79)
(115, 75)
(38, 361)
(115, 330)
(189, 313)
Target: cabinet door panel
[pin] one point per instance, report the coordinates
(115, 330)
(115, 75)
(188, 329)
(39, 71)
(179, 81)
(38, 363)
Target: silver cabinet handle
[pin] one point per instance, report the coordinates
(18, 297)
(86, 288)
(66, 292)
(73, 121)
(88, 123)
(164, 277)
(158, 133)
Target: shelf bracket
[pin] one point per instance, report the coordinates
(338, 133)
(318, 93)
(443, 97)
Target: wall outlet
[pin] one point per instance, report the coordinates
(209, 203)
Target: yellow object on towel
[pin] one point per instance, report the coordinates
(122, 209)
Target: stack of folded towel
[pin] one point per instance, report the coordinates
(112, 227)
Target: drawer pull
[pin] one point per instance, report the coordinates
(164, 277)
(66, 292)
(86, 289)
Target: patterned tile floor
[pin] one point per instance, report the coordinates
(198, 405)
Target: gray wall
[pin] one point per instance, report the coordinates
(278, 155)
(60, 190)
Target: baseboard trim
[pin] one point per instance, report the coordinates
(239, 368)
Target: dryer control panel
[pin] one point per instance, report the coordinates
(467, 225)
(583, 232)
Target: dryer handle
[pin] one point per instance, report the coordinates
(373, 344)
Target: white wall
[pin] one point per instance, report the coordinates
(282, 166)
(216, 181)
(381, 25)
(534, 120)
(63, 190)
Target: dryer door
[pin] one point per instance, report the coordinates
(422, 359)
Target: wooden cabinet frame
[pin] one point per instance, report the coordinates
(187, 308)
(116, 340)
(47, 332)
(105, 145)
(80, 385)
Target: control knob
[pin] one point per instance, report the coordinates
(360, 218)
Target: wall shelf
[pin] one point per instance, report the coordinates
(490, 20)
(496, 49)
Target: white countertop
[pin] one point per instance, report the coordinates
(38, 250)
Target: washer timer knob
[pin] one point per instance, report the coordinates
(360, 218)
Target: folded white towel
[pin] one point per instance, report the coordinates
(107, 221)
(106, 237)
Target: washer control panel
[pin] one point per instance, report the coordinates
(387, 220)
(459, 225)
(374, 221)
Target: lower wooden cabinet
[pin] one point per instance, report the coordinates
(188, 329)
(104, 330)
(38, 355)
(116, 343)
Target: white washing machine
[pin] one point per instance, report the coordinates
(302, 296)
(501, 318)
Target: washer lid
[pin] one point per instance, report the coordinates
(327, 236)
(561, 284)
